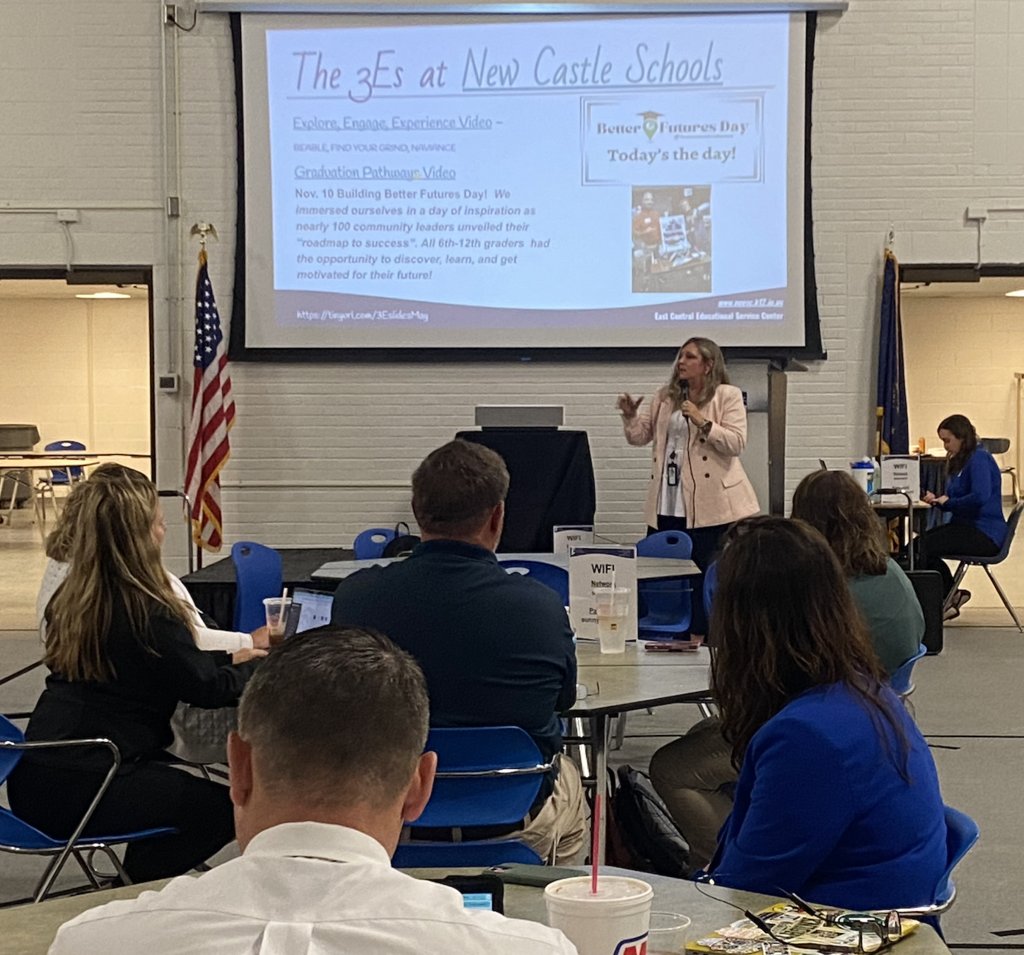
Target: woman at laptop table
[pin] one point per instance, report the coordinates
(697, 426)
(121, 651)
(58, 549)
(838, 798)
(973, 498)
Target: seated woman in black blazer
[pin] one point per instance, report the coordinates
(121, 651)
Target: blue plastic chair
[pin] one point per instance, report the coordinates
(64, 476)
(550, 575)
(258, 575)
(486, 776)
(59, 477)
(667, 602)
(370, 544)
(901, 680)
(17, 836)
(961, 834)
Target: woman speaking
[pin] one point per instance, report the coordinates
(698, 427)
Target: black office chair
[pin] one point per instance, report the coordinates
(988, 562)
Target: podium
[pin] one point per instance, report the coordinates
(551, 482)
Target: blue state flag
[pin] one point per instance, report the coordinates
(891, 404)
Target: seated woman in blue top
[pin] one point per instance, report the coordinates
(973, 498)
(837, 799)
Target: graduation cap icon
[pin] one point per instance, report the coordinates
(650, 118)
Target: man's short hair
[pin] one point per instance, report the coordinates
(456, 487)
(336, 715)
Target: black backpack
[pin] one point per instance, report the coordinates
(642, 834)
(402, 543)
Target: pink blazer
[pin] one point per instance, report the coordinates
(715, 486)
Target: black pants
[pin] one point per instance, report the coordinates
(705, 548)
(950, 539)
(145, 796)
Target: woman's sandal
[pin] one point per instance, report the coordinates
(953, 610)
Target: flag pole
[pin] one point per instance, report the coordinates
(212, 410)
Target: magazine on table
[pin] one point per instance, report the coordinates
(795, 931)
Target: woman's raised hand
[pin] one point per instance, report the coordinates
(628, 405)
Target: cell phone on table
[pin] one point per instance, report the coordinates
(672, 646)
(484, 891)
(519, 873)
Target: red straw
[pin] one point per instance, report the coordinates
(594, 843)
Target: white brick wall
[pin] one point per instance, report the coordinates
(917, 113)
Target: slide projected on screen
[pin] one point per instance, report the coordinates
(556, 183)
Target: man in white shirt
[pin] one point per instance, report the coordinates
(326, 766)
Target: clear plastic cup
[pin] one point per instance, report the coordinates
(277, 614)
(612, 606)
(613, 921)
(668, 933)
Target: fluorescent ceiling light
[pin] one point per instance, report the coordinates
(1016, 293)
(102, 295)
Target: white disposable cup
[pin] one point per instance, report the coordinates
(612, 605)
(612, 922)
(668, 933)
(276, 610)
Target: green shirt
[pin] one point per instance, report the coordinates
(892, 612)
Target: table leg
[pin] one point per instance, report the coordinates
(599, 729)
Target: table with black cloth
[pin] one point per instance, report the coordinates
(552, 482)
(213, 587)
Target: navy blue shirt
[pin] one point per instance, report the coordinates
(496, 648)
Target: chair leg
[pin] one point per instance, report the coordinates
(580, 735)
(1002, 596)
(51, 873)
(86, 867)
(116, 863)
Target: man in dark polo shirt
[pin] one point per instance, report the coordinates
(496, 648)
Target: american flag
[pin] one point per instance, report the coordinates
(213, 414)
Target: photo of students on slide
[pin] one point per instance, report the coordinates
(671, 232)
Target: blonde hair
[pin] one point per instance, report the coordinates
(717, 375)
(114, 559)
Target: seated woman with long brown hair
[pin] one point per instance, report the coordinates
(836, 506)
(121, 650)
(694, 774)
(837, 799)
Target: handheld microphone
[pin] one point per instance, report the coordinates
(685, 386)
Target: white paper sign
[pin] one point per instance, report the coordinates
(595, 568)
(565, 536)
(902, 471)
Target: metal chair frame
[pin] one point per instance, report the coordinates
(75, 845)
(966, 561)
